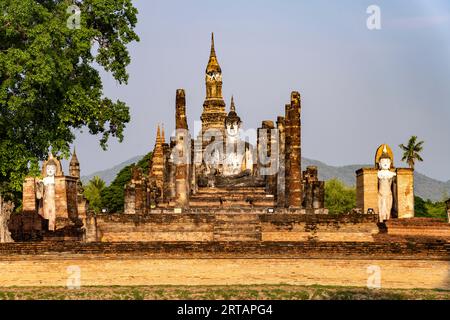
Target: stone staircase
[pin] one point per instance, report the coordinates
(236, 197)
(237, 227)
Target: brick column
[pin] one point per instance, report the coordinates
(29, 195)
(129, 206)
(448, 210)
(183, 150)
(405, 192)
(135, 201)
(287, 151)
(281, 177)
(367, 189)
(295, 173)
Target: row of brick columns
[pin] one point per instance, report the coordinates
(286, 184)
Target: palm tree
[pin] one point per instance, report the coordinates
(411, 152)
(97, 183)
(93, 191)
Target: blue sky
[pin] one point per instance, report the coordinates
(360, 88)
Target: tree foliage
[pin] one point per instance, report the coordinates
(93, 191)
(49, 83)
(145, 162)
(420, 208)
(112, 197)
(411, 152)
(338, 197)
(429, 209)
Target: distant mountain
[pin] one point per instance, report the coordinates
(108, 175)
(428, 188)
(425, 187)
(346, 173)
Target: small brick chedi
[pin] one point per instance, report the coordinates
(386, 190)
(56, 197)
(219, 169)
(448, 209)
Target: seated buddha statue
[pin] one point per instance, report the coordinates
(237, 154)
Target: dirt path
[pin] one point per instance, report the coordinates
(56, 271)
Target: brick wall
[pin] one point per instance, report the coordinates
(367, 189)
(318, 227)
(205, 227)
(405, 192)
(412, 250)
(158, 227)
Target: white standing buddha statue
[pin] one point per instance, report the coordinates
(45, 192)
(385, 180)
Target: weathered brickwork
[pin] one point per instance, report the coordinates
(253, 226)
(448, 210)
(422, 227)
(230, 227)
(367, 189)
(313, 189)
(418, 249)
(295, 180)
(405, 192)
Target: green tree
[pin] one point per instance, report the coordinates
(49, 83)
(429, 209)
(411, 152)
(144, 162)
(338, 197)
(113, 196)
(93, 191)
(420, 208)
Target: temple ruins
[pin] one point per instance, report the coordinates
(219, 169)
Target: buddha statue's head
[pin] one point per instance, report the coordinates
(232, 121)
(385, 161)
(232, 129)
(50, 169)
(384, 158)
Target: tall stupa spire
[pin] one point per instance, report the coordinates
(213, 64)
(213, 51)
(213, 115)
(158, 135)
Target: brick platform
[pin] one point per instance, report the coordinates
(230, 227)
(419, 227)
(435, 250)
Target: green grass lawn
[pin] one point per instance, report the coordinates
(263, 292)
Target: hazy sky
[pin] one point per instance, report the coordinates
(360, 88)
